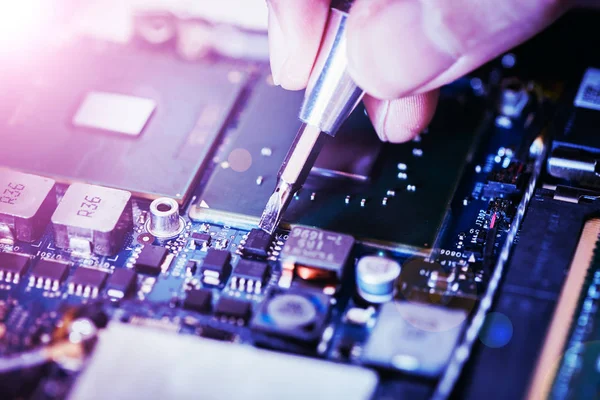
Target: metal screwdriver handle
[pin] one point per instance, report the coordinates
(331, 94)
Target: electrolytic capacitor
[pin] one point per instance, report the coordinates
(375, 278)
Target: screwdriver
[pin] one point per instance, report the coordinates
(330, 96)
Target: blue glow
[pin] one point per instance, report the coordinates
(497, 330)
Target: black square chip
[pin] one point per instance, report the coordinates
(199, 300)
(87, 282)
(257, 244)
(150, 260)
(201, 238)
(233, 308)
(48, 274)
(251, 270)
(121, 283)
(217, 261)
(12, 266)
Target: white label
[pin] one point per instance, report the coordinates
(588, 95)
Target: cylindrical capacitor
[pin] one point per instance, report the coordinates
(375, 278)
(165, 222)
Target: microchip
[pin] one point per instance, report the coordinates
(317, 249)
(199, 300)
(296, 315)
(257, 243)
(249, 276)
(201, 239)
(121, 283)
(48, 274)
(87, 282)
(414, 338)
(12, 267)
(234, 310)
(150, 260)
(119, 112)
(26, 203)
(216, 266)
(92, 218)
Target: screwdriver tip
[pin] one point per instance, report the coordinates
(276, 206)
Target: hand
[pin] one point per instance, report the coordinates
(401, 51)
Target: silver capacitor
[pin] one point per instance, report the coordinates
(165, 221)
(376, 277)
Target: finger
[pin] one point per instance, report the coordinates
(295, 31)
(399, 47)
(402, 119)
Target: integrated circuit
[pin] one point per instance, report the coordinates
(249, 276)
(216, 266)
(26, 203)
(233, 310)
(121, 283)
(92, 218)
(151, 259)
(256, 244)
(48, 274)
(13, 267)
(103, 120)
(199, 300)
(87, 282)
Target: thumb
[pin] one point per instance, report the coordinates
(401, 47)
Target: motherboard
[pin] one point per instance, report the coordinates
(131, 265)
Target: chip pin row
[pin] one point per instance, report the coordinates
(10, 277)
(46, 284)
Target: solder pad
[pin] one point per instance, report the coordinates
(45, 133)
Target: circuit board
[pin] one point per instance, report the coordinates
(131, 264)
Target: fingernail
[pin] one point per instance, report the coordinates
(277, 47)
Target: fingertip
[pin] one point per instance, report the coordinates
(400, 120)
(295, 31)
(390, 53)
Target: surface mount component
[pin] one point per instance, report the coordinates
(26, 203)
(216, 266)
(100, 111)
(257, 244)
(316, 248)
(233, 310)
(92, 218)
(179, 365)
(121, 283)
(199, 300)
(414, 338)
(300, 316)
(376, 277)
(13, 266)
(151, 259)
(87, 282)
(48, 274)
(165, 222)
(249, 276)
(576, 148)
